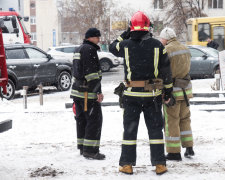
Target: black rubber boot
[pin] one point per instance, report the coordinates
(97, 156)
(189, 152)
(174, 156)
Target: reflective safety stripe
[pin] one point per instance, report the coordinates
(80, 141)
(172, 138)
(128, 64)
(139, 27)
(175, 53)
(166, 120)
(156, 61)
(118, 46)
(76, 56)
(185, 132)
(179, 89)
(156, 141)
(120, 39)
(176, 94)
(81, 94)
(173, 144)
(129, 142)
(91, 142)
(168, 85)
(92, 76)
(100, 73)
(164, 51)
(187, 139)
(143, 94)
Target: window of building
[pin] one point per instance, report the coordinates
(33, 37)
(158, 4)
(214, 4)
(32, 20)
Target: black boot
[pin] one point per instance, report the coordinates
(174, 156)
(189, 152)
(97, 156)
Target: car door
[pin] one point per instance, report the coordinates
(200, 64)
(19, 65)
(44, 68)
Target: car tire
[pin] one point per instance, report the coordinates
(64, 81)
(105, 64)
(10, 90)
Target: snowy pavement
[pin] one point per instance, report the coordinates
(43, 139)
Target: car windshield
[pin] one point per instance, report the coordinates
(210, 51)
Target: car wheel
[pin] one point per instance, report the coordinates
(64, 81)
(105, 65)
(10, 90)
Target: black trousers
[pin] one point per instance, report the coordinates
(133, 106)
(89, 125)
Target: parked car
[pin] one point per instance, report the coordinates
(204, 61)
(107, 59)
(29, 66)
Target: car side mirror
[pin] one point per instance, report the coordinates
(49, 56)
(205, 56)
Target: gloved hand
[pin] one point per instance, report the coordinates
(126, 34)
(172, 101)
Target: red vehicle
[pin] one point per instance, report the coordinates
(3, 67)
(7, 124)
(14, 30)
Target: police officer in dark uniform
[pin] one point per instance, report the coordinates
(87, 95)
(147, 75)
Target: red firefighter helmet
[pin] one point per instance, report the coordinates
(139, 22)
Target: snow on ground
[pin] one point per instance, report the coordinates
(43, 139)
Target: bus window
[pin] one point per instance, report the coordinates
(203, 31)
(218, 36)
(189, 32)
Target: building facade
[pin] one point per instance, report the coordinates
(44, 26)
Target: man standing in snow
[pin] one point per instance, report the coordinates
(147, 73)
(177, 117)
(87, 95)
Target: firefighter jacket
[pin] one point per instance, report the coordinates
(180, 62)
(145, 58)
(86, 71)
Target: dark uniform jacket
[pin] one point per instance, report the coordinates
(86, 71)
(145, 58)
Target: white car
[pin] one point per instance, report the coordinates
(107, 59)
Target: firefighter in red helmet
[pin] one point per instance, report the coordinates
(147, 79)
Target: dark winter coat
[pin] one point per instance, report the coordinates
(213, 44)
(141, 55)
(86, 70)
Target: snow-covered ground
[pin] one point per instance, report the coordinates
(43, 139)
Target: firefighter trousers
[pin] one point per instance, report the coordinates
(89, 125)
(133, 106)
(177, 127)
